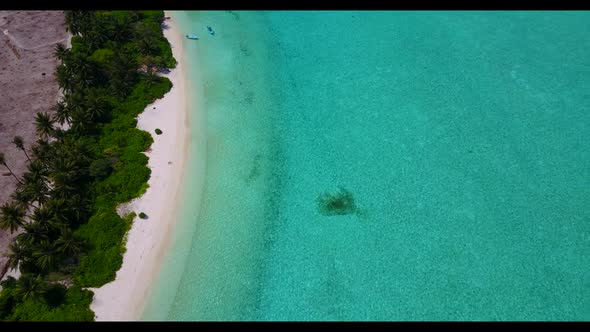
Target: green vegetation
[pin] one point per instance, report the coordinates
(158, 131)
(66, 200)
(143, 215)
(339, 203)
(47, 303)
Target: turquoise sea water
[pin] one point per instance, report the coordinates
(463, 137)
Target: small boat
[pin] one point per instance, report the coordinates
(192, 37)
(211, 31)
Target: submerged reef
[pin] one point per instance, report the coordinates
(338, 203)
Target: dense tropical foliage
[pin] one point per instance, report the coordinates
(87, 159)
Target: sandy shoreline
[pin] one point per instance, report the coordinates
(124, 298)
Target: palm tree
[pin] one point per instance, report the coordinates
(30, 286)
(37, 170)
(22, 199)
(85, 70)
(25, 238)
(12, 217)
(44, 124)
(62, 113)
(20, 144)
(74, 104)
(146, 38)
(79, 21)
(45, 255)
(77, 149)
(61, 52)
(71, 21)
(151, 70)
(119, 87)
(17, 253)
(63, 188)
(64, 77)
(96, 37)
(68, 243)
(35, 181)
(3, 162)
(96, 107)
(77, 206)
(42, 150)
(57, 207)
(79, 124)
(44, 218)
(34, 233)
(122, 29)
(125, 71)
(59, 134)
(35, 188)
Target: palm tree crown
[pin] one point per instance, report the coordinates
(68, 243)
(11, 217)
(61, 52)
(44, 124)
(17, 253)
(30, 286)
(19, 142)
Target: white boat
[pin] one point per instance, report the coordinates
(192, 37)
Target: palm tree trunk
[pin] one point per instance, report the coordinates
(4, 270)
(26, 154)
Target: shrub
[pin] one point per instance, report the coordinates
(104, 232)
(143, 215)
(103, 57)
(7, 298)
(158, 131)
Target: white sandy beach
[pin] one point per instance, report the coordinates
(124, 298)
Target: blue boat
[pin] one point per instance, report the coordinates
(192, 37)
(211, 31)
